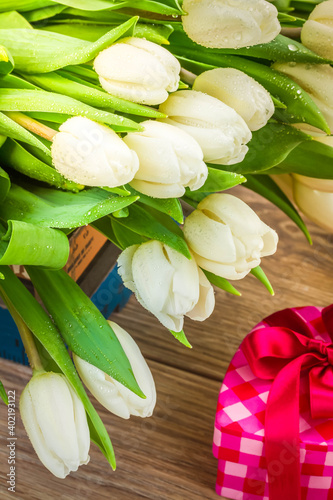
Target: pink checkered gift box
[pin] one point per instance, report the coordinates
(261, 461)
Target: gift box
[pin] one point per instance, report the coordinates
(92, 264)
(273, 433)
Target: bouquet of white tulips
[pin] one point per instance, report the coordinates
(120, 114)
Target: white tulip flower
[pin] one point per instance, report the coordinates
(114, 396)
(226, 237)
(170, 160)
(92, 154)
(138, 70)
(166, 283)
(314, 197)
(220, 132)
(239, 91)
(317, 31)
(230, 23)
(56, 423)
(317, 81)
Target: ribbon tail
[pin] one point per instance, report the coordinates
(282, 442)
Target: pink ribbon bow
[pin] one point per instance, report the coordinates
(280, 352)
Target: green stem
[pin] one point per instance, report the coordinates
(33, 125)
(26, 336)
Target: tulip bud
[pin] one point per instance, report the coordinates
(114, 396)
(218, 129)
(239, 91)
(317, 31)
(92, 154)
(56, 423)
(317, 81)
(170, 159)
(166, 283)
(314, 197)
(226, 237)
(138, 70)
(229, 23)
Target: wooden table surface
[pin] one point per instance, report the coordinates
(168, 456)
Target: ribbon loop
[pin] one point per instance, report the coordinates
(326, 350)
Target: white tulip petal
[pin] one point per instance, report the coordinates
(185, 284)
(239, 91)
(170, 160)
(92, 154)
(170, 63)
(161, 166)
(124, 261)
(152, 275)
(157, 190)
(325, 185)
(317, 31)
(227, 237)
(230, 24)
(134, 92)
(138, 70)
(209, 238)
(233, 212)
(206, 303)
(317, 205)
(165, 282)
(270, 239)
(224, 270)
(55, 420)
(317, 81)
(218, 129)
(111, 394)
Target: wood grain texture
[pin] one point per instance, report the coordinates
(168, 457)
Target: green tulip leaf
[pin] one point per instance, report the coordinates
(37, 51)
(258, 273)
(47, 207)
(281, 48)
(268, 147)
(23, 5)
(15, 82)
(168, 206)
(221, 283)
(3, 394)
(266, 187)
(300, 107)
(313, 159)
(44, 13)
(4, 184)
(30, 312)
(6, 61)
(124, 236)
(57, 82)
(12, 20)
(40, 101)
(288, 21)
(104, 226)
(219, 180)
(100, 9)
(27, 244)
(82, 325)
(148, 222)
(181, 337)
(91, 32)
(9, 128)
(14, 155)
